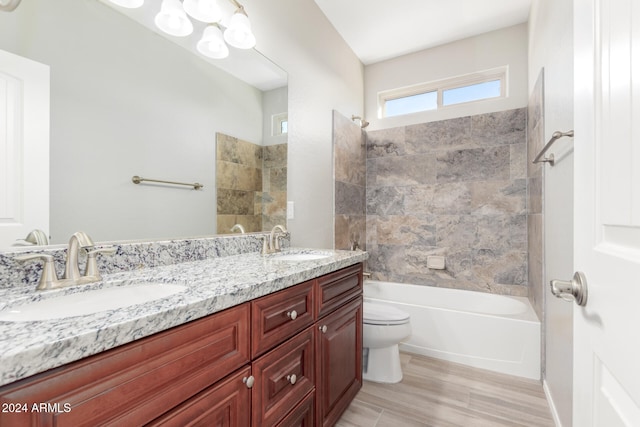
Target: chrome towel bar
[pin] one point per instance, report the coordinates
(137, 180)
(556, 136)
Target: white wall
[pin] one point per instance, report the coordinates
(551, 47)
(273, 102)
(507, 46)
(126, 102)
(324, 74)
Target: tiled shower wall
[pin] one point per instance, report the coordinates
(251, 184)
(273, 198)
(535, 217)
(454, 188)
(350, 183)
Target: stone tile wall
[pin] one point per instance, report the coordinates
(455, 188)
(350, 183)
(273, 198)
(535, 217)
(251, 184)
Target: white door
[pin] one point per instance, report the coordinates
(606, 381)
(24, 147)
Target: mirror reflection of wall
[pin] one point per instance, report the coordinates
(126, 101)
(251, 184)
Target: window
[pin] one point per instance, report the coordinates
(279, 124)
(443, 93)
(411, 104)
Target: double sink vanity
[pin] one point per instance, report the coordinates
(228, 337)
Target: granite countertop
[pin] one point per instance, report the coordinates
(27, 348)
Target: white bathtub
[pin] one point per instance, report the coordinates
(494, 332)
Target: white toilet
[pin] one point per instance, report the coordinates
(384, 327)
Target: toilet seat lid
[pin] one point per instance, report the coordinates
(380, 314)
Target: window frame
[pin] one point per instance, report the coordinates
(439, 86)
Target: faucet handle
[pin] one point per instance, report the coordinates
(91, 269)
(49, 278)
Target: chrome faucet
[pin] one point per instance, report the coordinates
(78, 240)
(72, 276)
(237, 227)
(272, 245)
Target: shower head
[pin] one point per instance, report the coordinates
(363, 122)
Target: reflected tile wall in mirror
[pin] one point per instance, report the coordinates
(251, 184)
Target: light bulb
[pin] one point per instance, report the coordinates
(211, 44)
(238, 33)
(203, 10)
(172, 20)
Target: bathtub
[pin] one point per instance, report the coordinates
(495, 332)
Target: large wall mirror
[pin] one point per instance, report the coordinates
(125, 101)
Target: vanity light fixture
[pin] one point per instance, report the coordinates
(212, 43)
(203, 10)
(172, 19)
(238, 33)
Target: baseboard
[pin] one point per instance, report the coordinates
(552, 406)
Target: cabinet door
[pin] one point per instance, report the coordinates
(222, 405)
(339, 364)
(283, 377)
(135, 383)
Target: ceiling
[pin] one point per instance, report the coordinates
(377, 30)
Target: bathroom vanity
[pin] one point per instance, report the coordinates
(280, 346)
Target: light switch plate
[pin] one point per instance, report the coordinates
(290, 210)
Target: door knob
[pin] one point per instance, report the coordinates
(573, 290)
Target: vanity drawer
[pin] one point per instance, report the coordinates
(302, 415)
(276, 391)
(337, 288)
(280, 315)
(135, 383)
(223, 404)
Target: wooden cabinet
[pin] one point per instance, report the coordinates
(279, 316)
(292, 358)
(302, 415)
(135, 383)
(338, 362)
(282, 378)
(222, 405)
(337, 288)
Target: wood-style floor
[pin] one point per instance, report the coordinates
(437, 393)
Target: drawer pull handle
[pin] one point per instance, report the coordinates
(323, 329)
(292, 378)
(292, 314)
(248, 381)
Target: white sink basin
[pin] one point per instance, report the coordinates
(299, 257)
(89, 302)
